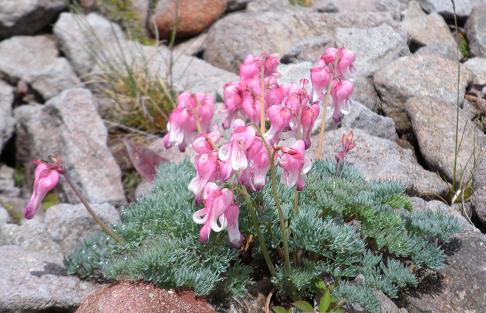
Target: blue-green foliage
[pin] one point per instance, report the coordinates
(344, 227)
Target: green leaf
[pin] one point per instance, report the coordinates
(281, 309)
(325, 301)
(303, 306)
(338, 310)
(320, 285)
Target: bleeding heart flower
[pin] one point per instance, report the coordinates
(207, 170)
(234, 153)
(341, 92)
(254, 176)
(320, 77)
(46, 179)
(294, 165)
(307, 119)
(343, 58)
(219, 212)
(232, 101)
(279, 120)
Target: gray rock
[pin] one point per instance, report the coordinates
(477, 66)
(7, 182)
(293, 73)
(444, 7)
(461, 284)
(375, 47)
(429, 31)
(36, 61)
(68, 225)
(4, 216)
(439, 206)
(433, 122)
(387, 305)
(27, 17)
(361, 117)
(142, 189)
(192, 46)
(479, 188)
(36, 282)
(31, 235)
(236, 35)
(83, 39)
(476, 31)
(417, 75)
(71, 129)
(7, 122)
(236, 5)
(378, 158)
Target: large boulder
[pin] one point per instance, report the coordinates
(477, 66)
(37, 282)
(433, 122)
(68, 225)
(142, 298)
(236, 35)
(7, 122)
(193, 17)
(437, 39)
(444, 7)
(27, 17)
(479, 188)
(36, 61)
(375, 47)
(476, 31)
(7, 182)
(83, 39)
(379, 158)
(460, 286)
(417, 75)
(70, 127)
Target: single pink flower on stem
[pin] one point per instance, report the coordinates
(307, 119)
(294, 165)
(46, 178)
(254, 176)
(219, 211)
(207, 170)
(347, 144)
(321, 76)
(233, 98)
(279, 120)
(250, 68)
(234, 153)
(341, 92)
(341, 57)
(193, 114)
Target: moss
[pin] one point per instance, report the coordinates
(15, 215)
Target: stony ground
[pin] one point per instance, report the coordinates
(403, 116)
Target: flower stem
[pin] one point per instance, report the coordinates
(256, 225)
(323, 123)
(296, 200)
(83, 200)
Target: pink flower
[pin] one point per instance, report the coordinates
(207, 170)
(347, 145)
(205, 143)
(233, 98)
(234, 153)
(294, 165)
(191, 111)
(218, 213)
(320, 77)
(279, 120)
(252, 65)
(254, 176)
(307, 119)
(341, 92)
(343, 58)
(46, 179)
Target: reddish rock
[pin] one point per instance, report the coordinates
(194, 16)
(141, 298)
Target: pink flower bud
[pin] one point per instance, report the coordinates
(46, 179)
(347, 144)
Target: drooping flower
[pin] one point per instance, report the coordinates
(192, 112)
(207, 170)
(347, 144)
(233, 97)
(219, 211)
(234, 153)
(307, 119)
(321, 76)
(294, 165)
(46, 179)
(341, 92)
(341, 57)
(254, 176)
(279, 117)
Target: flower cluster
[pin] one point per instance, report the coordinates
(329, 74)
(252, 150)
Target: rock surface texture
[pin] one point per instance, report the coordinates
(71, 129)
(141, 298)
(7, 121)
(476, 31)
